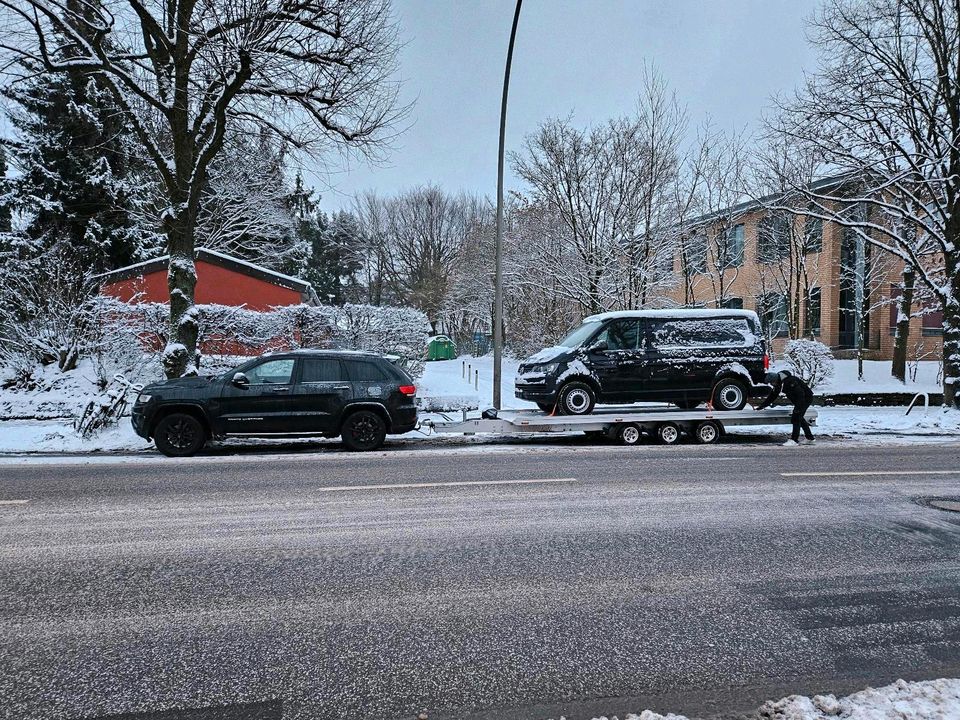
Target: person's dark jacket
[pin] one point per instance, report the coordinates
(797, 391)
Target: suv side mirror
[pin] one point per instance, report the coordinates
(240, 380)
(599, 347)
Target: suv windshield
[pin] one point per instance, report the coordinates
(578, 336)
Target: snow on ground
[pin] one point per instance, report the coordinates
(877, 378)
(927, 700)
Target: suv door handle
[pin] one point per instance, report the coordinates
(341, 387)
(279, 389)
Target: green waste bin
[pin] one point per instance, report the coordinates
(440, 347)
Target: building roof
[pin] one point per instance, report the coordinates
(214, 257)
(754, 203)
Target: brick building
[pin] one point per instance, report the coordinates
(805, 278)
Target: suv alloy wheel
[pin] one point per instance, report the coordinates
(364, 430)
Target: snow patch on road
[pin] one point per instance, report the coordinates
(902, 700)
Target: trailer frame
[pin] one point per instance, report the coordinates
(666, 424)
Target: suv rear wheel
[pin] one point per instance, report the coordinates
(576, 398)
(364, 430)
(729, 394)
(179, 435)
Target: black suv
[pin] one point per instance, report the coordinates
(685, 357)
(359, 396)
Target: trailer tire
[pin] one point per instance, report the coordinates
(708, 432)
(630, 434)
(668, 433)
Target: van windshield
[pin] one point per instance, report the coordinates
(579, 335)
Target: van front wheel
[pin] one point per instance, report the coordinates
(576, 398)
(729, 394)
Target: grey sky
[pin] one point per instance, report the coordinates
(723, 59)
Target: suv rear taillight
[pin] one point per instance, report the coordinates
(766, 361)
(408, 390)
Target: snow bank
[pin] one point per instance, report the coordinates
(928, 700)
(58, 436)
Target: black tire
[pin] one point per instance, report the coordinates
(576, 398)
(668, 433)
(546, 407)
(363, 430)
(629, 434)
(687, 403)
(708, 432)
(729, 394)
(179, 435)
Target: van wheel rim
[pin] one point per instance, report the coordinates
(731, 396)
(577, 401)
(181, 435)
(708, 433)
(669, 434)
(631, 435)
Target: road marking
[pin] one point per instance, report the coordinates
(461, 483)
(869, 473)
(14, 502)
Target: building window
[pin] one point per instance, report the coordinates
(696, 254)
(812, 234)
(730, 247)
(772, 309)
(814, 304)
(733, 303)
(773, 237)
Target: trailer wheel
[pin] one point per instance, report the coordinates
(708, 432)
(629, 434)
(668, 433)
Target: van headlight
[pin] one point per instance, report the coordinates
(546, 369)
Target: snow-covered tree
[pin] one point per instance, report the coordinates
(185, 75)
(883, 112)
(77, 179)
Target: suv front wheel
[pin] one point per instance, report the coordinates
(576, 398)
(364, 430)
(179, 435)
(729, 394)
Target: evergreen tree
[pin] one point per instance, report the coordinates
(78, 184)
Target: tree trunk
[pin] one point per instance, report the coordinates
(180, 356)
(951, 350)
(904, 308)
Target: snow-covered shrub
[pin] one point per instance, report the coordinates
(809, 360)
(231, 331)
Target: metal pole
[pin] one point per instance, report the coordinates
(498, 250)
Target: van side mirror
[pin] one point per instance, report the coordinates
(240, 380)
(599, 347)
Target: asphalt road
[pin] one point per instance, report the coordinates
(523, 582)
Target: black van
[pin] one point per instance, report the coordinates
(685, 357)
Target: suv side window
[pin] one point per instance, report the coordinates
(321, 369)
(621, 335)
(365, 371)
(272, 372)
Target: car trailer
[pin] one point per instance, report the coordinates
(627, 425)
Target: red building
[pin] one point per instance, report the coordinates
(221, 280)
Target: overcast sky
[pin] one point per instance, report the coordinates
(724, 59)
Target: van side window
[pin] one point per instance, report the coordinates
(707, 332)
(621, 335)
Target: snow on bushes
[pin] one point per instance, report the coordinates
(809, 360)
(228, 330)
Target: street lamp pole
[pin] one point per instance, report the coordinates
(498, 250)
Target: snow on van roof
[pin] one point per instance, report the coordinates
(674, 314)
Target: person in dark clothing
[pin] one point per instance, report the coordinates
(799, 394)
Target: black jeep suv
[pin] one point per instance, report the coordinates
(359, 396)
(685, 357)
